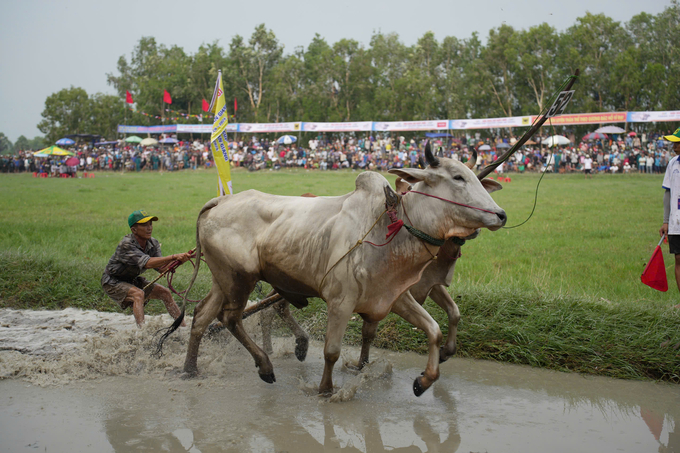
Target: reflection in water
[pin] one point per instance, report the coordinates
(115, 397)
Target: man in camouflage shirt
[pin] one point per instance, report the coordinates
(136, 253)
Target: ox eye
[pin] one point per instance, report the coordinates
(459, 178)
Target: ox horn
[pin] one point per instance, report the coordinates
(433, 161)
(472, 161)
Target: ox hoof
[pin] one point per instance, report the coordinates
(301, 347)
(355, 366)
(418, 388)
(189, 374)
(268, 378)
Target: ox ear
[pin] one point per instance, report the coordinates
(412, 175)
(490, 185)
(401, 186)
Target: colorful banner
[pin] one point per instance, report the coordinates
(338, 127)
(387, 126)
(647, 117)
(586, 118)
(269, 127)
(122, 129)
(203, 128)
(218, 140)
(489, 123)
(411, 125)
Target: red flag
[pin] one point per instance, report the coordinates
(166, 97)
(128, 97)
(654, 274)
(206, 106)
(235, 106)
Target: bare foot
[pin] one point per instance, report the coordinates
(677, 306)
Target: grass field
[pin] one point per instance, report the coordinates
(562, 291)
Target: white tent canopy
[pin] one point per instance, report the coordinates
(556, 140)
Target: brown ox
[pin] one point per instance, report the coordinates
(315, 247)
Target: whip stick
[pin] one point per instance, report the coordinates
(527, 135)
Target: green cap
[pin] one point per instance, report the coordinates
(674, 137)
(140, 216)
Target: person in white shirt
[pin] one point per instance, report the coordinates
(588, 166)
(671, 204)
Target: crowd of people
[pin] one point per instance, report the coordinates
(646, 153)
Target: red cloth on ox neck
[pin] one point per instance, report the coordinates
(654, 274)
(393, 228)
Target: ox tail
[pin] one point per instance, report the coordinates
(166, 332)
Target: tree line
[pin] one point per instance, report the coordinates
(624, 66)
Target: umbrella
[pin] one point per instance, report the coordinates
(502, 146)
(52, 151)
(65, 142)
(556, 140)
(286, 140)
(594, 136)
(149, 142)
(484, 148)
(72, 161)
(133, 139)
(169, 140)
(610, 130)
(632, 134)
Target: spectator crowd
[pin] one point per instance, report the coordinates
(644, 153)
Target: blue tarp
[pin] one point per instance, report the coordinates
(437, 135)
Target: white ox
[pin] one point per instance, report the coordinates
(300, 246)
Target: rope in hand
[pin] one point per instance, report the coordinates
(169, 273)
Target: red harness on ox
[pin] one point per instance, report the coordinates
(396, 225)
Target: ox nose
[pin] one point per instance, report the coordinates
(501, 215)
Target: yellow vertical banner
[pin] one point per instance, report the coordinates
(219, 145)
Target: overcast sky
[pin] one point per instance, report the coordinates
(49, 45)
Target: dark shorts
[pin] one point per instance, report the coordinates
(118, 290)
(587, 171)
(674, 244)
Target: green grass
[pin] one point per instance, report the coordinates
(562, 291)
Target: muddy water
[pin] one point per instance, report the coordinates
(84, 381)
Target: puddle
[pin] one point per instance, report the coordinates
(85, 381)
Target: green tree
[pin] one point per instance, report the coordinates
(22, 144)
(251, 65)
(422, 79)
(591, 45)
(533, 58)
(498, 59)
(106, 113)
(67, 111)
(388, 56)
(5, 144)
(287, 83)
(37, 143)
(451, 59)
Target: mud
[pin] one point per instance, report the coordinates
(85, 381)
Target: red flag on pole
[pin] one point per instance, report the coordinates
(166, 97)
(128, 97)
(206, 106)
(654, 274)
(235, 106)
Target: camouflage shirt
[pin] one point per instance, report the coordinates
(128, 262)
